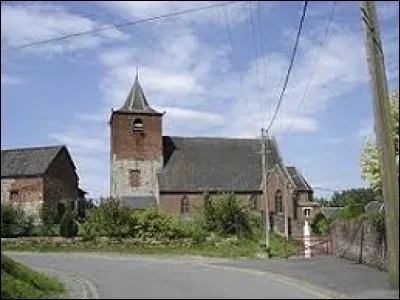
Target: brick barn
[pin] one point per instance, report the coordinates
(172, 173)
(29, 176)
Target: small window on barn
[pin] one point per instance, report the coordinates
(14, 195)
(134, 178)
(253, 202)
(185, 209)
(137, 125)
(278, 201)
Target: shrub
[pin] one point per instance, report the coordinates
(48, 213)
(14, 221)
(227, 215)
(195, 228)
(319, 224)
(152, 223)
(109, 219)
(68, 226)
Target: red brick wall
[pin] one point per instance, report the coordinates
(126, 144)
(171, 203)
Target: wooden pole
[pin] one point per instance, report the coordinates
(265, 189)
(383, 132)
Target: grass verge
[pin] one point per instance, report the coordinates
(21, 282)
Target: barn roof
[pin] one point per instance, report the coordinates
(213, 164)
(23, 162)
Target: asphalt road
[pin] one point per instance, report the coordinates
(149, 278)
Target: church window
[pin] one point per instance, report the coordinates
(185, 209)
(278, 202)
(137, 125)
(134, 178)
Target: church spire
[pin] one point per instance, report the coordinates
(136, 100)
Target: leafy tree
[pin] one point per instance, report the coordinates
(348, 212)
(228, 215)
(359, 196)
(68, 226)
(323, 201)
(370, 165)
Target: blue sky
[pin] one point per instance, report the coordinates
(214, 72)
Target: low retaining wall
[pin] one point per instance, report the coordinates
(360, 240)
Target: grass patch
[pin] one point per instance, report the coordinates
(21, 282)
(240, 248)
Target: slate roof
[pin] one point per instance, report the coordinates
(298, 179)
(27, 161)
(213, 164)
(136, 101)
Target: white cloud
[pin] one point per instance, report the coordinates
(22, 24)
(11, 80)
(146, 9)
(188, 116)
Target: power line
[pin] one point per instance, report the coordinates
(303, 15)
(315, 61)
(130, 23)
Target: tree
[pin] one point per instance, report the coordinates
(227, 215)
(68, 226)
(370, 166)
(323, 201)
(359, 196)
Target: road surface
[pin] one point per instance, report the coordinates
(134, 277)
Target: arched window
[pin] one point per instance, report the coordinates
(278, 202)
(253, 202)
(137, 125)
(185, 209)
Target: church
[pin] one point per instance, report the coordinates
(149, 169)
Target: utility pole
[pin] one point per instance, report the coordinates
(383, 132)
(264, 185)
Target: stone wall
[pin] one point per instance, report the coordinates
(148, 177)
(360, 241)
(29, 193)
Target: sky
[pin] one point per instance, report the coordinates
(216, 72)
